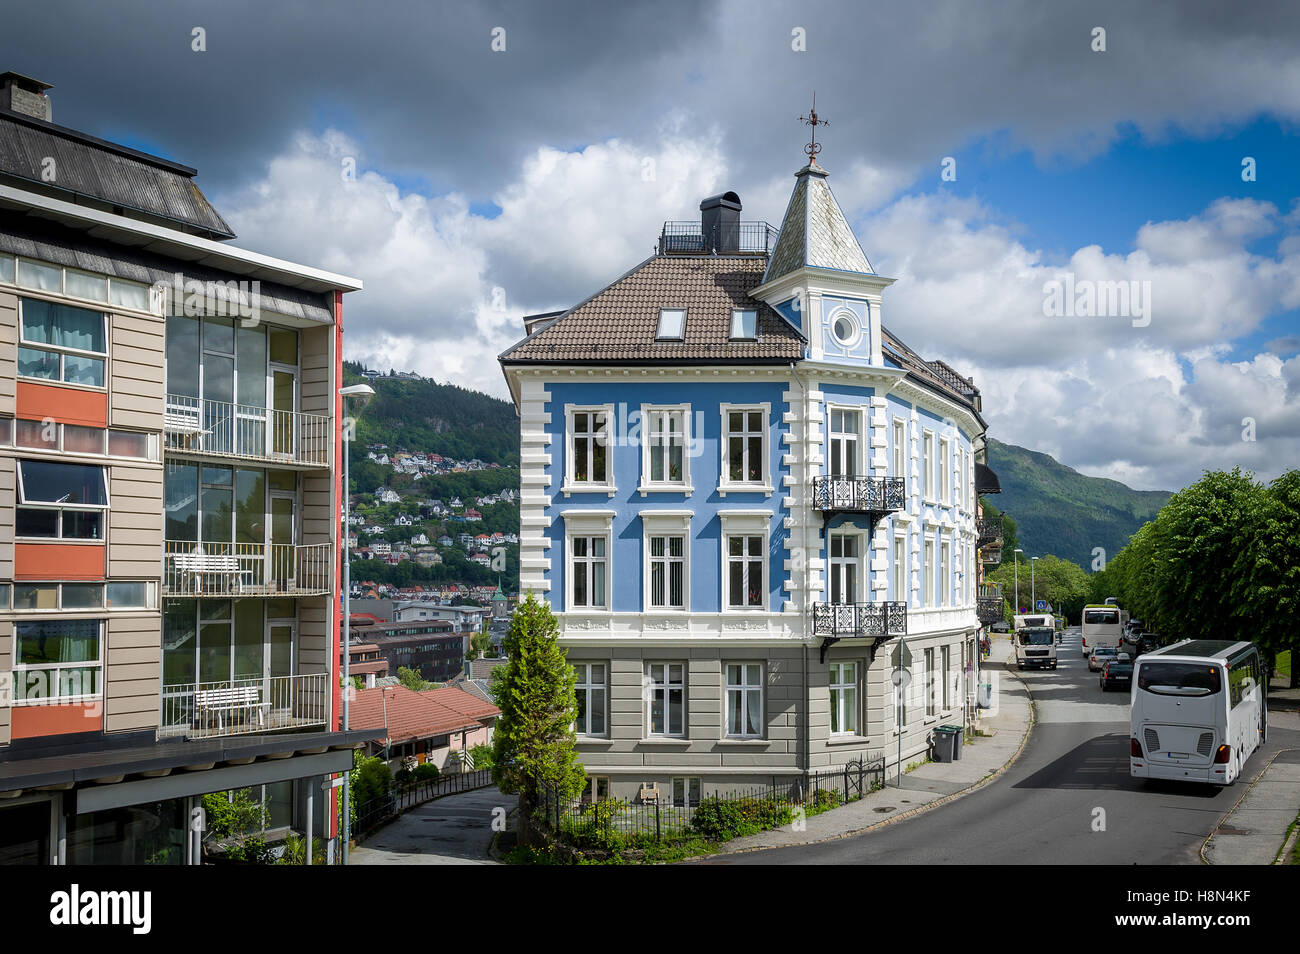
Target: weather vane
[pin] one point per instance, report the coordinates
(812, 120)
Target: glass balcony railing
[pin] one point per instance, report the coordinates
(246, 569)
(220, 429)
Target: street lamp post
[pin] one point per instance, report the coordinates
(1033, 599)
(358, 390)
(1016, 558)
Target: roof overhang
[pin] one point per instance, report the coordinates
(174, 244)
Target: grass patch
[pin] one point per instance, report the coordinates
(1284, 663)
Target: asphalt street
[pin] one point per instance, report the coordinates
(1069, 798)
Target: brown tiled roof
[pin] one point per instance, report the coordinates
(463, 702)
(415, 715)
(620, 322)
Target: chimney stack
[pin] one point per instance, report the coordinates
(720, 222)
(22, 94)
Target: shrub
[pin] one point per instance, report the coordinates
(426, 772)
(482, 755)
(825, 798)
(374, 779)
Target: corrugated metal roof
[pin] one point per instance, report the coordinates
(620, 322)
(50, 242)
(113, 174)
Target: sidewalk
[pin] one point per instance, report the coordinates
(1254, 830)
(452, 830)
(929, 785)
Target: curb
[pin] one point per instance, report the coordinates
(1237, 804)
(920, 809)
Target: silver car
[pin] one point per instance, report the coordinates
(1100, 656)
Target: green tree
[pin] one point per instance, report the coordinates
(533, 744)
(1062, 583)
(1265, 578)
(411, 679)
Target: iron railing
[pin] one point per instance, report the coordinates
(882, 620)
(246, 569)
(859, 494)
(221, 429)
(376, 811)
(248, 705)
(743, 238)
(992, 556)
(988, 532)
(989, 610)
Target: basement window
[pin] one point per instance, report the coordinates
(672, 324)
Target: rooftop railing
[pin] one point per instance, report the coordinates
(741, 238)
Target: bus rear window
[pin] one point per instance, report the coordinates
(1180, 679)
(1101, 617)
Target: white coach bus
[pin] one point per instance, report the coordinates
(1101, 625)
(1198, 711)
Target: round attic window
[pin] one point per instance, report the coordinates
(844, 327)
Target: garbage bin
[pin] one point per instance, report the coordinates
(957, 734)
(944, 742)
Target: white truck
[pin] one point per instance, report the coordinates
(1036, 646)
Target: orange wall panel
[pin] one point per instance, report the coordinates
(33, 722)
(58, 561)
(36, 402)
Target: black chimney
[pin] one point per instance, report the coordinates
(720, 222)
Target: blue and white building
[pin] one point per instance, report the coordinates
(739, 492)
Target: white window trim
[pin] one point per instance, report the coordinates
(586, 687)
(862, 539)
(725, 484)
(21, 667)
(928, 465)
(655, 523)
(660, 320)
(859, 329)
(572, 486)
(927, 570)
(944, 487)
(855, 732)
(736, 311)
(744, 689)
(946, 592)
(745, 523)
(588, 523)
(859, 444)
(648, 486)
(649, 698)
(900, 573)
(898, 463)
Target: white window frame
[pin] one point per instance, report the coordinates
(836, 564)
(725, 483)
(651, 414)
(745, 689)
(855, 438)
(900, 448)
(666, 523)
(836, 688)
(689, 783)
(63, 351)
(945, 472)
(945, 571)
(571, 484)
(18, 667)
(927, 683)
(584, 686)
(588, 523)
(927, 570)
(900, 577)
(667, 687)
(735, 312)
(945, 656)
(745, 523)
(927, 465)
(681, 334)
(20, 503)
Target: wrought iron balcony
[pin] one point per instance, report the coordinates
(874, 496)
(737, 238)
(992, 556)
(879, 621)
(249, 705)
(246, 569)
(989, 610)
(988, 533)
(220, 429)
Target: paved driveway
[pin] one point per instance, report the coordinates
(455, 830)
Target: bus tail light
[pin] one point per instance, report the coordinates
(1223, 756)
(1134, 748)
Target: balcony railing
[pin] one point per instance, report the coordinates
(988, 604)
(246, 706)
(740, 238)
(991, 556)
(854, 620)
(988, 533)
(219, 429)
(873, 495)
(246, 569)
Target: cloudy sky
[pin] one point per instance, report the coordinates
(493, 183)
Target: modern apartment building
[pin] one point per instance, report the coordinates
(168, 506)
(740, 491)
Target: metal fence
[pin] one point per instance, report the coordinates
(375, 812)
(223, 429)
(245, 706)
(584, 821)
(215, 568)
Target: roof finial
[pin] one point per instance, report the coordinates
(814, 121)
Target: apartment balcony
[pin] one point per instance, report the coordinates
(989, 606)
(252, 705)
(988, 534)
(218, 429)
(246, 569)
(877, 621)
(874, 496)
(991, 556)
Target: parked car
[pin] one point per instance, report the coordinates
(1117, 674)
(1100, 656)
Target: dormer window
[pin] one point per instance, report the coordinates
(672, 324)
(744, 324)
